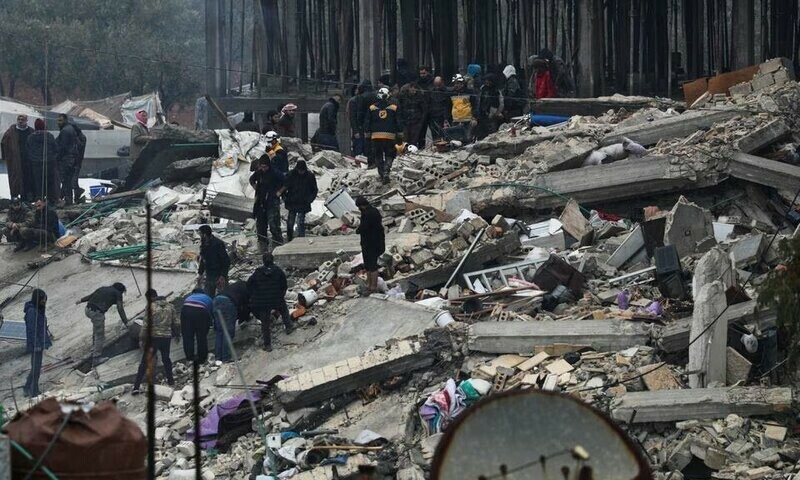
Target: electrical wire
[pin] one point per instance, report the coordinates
(709, 326)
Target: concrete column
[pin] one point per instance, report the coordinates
(707, 355)
(589, 43)
(215, 76)
(742, 33)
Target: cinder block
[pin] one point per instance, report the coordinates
(743, 88)
(760, 82)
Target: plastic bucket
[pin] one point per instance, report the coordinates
(340, 203)
(443, 318)
(307, 298)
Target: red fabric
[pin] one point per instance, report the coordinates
(545, 88)
(609, 217)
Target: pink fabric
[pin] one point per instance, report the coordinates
(289, 107)
(141, 117)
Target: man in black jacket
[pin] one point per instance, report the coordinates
(268, 182)
(214, 261)
(490, 107)
(40, 231)
(247, 124)
(267, 287)
(373, 240)
(97, 304)
(69, 158)
(359, 108)
(300, 190)
(230, 305)
(382, 126)
(440, 109)
(328, 122)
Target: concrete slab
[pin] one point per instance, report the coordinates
(388, 415)
(310, 252)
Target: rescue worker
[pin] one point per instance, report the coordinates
(267, 181)
(165, 323)
(97, 304)
(464, 109)
(490, 107)
(214, 261)
(383, 126)
(277, 155)
(267, 287)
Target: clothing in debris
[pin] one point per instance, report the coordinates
(444, 406)
(42, 151)
(14, 150)
(373, 238)
(195, 323)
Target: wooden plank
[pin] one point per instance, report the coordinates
(699, 403)
(672, 127)
(310, 252)
(675, 337)
(764, 136)
(762, 171)
(524, 337)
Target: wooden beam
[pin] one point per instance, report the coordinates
(762, 171)
(523, 337)
(699, 403)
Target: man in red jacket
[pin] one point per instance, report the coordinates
(543, 85)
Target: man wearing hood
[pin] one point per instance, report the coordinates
(267, 182)
(140, 135)
(328, 122)
(299, 191)
(14, 148)
(37, 339)
(42, 151)
(513, 95)
(267, 287)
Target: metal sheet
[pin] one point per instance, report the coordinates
(11, 330)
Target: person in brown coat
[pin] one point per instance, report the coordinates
(14, 152)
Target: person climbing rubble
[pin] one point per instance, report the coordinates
(97, 304)
(267, 182)
(383, 127)
(195, 323)
(230, 305)
(299, 190)
(40, 231)
(267, 287)
(165, 326)
(373, 240)
(214, 261)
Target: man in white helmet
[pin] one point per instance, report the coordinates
(464, 106)
(383, 126)
(277, 155)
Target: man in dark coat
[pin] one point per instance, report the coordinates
(356, 114)
(267, 182)
(214, 261)
(299, 191)
(490, 107)
(439, 115)
(382, 127)
(68, 157)
(373, 240)
(285, 124)
(325, 138)
(14, 149)
(247, 124)
(37, 339)
(97, 304)
(267, 287)
(367, 97)
(413, 106)
(42, 151)
(230, 305)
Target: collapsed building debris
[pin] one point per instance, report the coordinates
(509, 266)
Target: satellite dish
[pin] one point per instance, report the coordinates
(536, 435)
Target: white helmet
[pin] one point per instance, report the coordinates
(458, 78)
(383, 93)
(272, 136)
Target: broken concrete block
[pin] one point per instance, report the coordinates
(775, 432)
(714, 265)
(457, 202)
(405, 226)
(747, 250)
(421, 257)
(762, 81)
(707, 355)
(311, 387)
(737, 367)
(758, 473)
(559, 367)
(443, 251)
(412, 173)
(743, 89)
(632, 244)
(781, 76)
(163, 392)
(328, 159)
(687, 226)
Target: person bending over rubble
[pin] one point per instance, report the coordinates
(214, 261)
(373, 240)
(299, 191)
(38, 232)
(267, 287)
(37, 339)
(164, 324)
(267, 182)
(195, 322)
(229, 305)
(97, 304)
(383, 126)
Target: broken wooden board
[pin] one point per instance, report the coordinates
(675, 336)
(310, 252)
(699, 403)
(438, 276)
(315, 386)
(524, 337)
(763, 171)
(677, 126)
